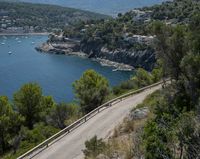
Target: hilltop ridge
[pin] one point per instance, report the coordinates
(19, 17)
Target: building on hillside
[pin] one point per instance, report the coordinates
(148, 40)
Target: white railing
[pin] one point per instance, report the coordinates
(33, 152)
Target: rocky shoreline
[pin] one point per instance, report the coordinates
(21, 34)
(116, 65)
(119, 59)
(62, 49)
(74, 50)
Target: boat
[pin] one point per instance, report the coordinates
(10, 52)
(115, 70)
(33, 42)
(19, 41)
(2, 43)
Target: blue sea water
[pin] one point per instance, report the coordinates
(109, 7)
(54, 73)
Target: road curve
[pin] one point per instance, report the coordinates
(71, 145)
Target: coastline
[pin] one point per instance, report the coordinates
(21, 34)
(70, 50)
(117, 66)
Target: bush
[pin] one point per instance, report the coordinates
(94, 147)
(61, 113)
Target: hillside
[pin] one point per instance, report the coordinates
(178, 11)
(127, 39)
(111, 7)
(28, 17)
(167, 124)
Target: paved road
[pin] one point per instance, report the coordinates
(71, 145)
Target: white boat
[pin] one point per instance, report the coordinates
(115, 70)
(33, 42)
(19, 41)
(10, 52)
(2, 43)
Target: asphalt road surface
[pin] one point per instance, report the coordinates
(71, 145)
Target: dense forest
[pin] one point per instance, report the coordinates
(178, 11)
(43, 16)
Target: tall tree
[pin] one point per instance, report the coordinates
(142, 78)
(28, 101)
(10, 123)
(91, 90)
(176, 123)
(59, 115)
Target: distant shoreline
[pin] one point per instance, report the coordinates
(15, 34)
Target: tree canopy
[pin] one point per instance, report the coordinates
(91, 90)
(29, 103)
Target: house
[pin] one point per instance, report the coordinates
(139, 39)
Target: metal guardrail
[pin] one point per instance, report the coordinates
(36, 150)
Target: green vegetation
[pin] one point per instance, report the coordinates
(32, 117)
(178, 11)
(126, 140)
(91, 90)
(94, 147)
(116, 33)
(10, 123)
(63, 114)
(175, 128)
(31, 105)
(42, 17)
(110, 33)
(172, 129)
(141, 78)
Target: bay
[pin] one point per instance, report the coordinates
(109, 7)
(20, 63)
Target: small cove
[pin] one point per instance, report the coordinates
(20, 63)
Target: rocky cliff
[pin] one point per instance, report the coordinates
(121, 59)
(143, 58)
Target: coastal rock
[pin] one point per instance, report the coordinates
(137, 59)
(139, 113)
(116, 65)
(59, 48)
(102, 156)
(116, 155)
(144, 59)
(119, 59)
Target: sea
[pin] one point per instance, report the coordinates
(20, 63)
